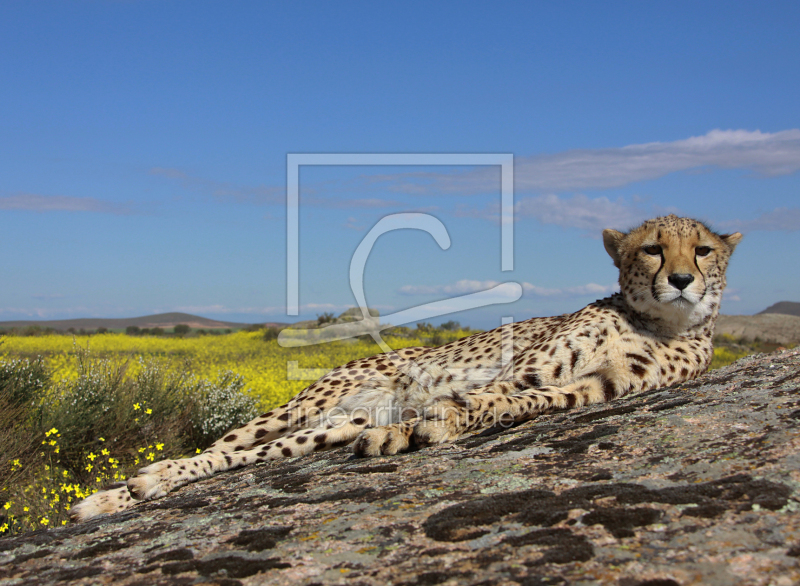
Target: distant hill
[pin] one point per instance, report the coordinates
(161, 320)
(785, 307)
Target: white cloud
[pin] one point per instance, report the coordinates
(779, 219)
(465, 286)
(766, 153)
(580, 212)
(62, 203)
(461, 287)
(731, 295)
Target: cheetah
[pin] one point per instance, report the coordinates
(655, 332)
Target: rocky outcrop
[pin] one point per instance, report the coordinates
(773, 328)
(698, 483)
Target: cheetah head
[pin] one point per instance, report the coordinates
(672, 269)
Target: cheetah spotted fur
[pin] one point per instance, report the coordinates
(655, 332)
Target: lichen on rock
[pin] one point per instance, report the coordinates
(698, 483)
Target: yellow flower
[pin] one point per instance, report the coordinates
(102, 439)
(52, 431)
(7, 506)
(91, 456)
(198, 451)
(44, 521)
(136, 406)
(149, 411)
(25, 509)
(105, 452)
(159, 447)
(3, 527)
(89, 467)
(142, 450)
(151, 456)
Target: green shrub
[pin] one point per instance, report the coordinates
(61, 442)
(218, 406)
(181, 330)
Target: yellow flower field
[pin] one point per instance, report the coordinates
(265, 366)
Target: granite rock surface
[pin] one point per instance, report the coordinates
(697, 483)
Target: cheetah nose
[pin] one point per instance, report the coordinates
(680, 280)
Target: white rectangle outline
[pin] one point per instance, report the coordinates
(295, 160)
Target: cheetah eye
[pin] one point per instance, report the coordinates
(702, 250)
(653, 249)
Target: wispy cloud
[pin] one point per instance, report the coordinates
(779, 219)
(35, 202)
(23, 313)
(306, 308)
(731, 295)
(766, 153)
(222, 190)
(465, 286)
(266, 194)
(579, 211)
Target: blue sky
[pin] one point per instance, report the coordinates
(143, 149)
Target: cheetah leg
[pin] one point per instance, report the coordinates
(158, 479)
(495, 404)
(386, 439)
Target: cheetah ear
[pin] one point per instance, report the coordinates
(732, 239)
(612, 240)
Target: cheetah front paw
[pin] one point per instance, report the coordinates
(431, 432)
(115, 499)
(382, 441)
(443, 421)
